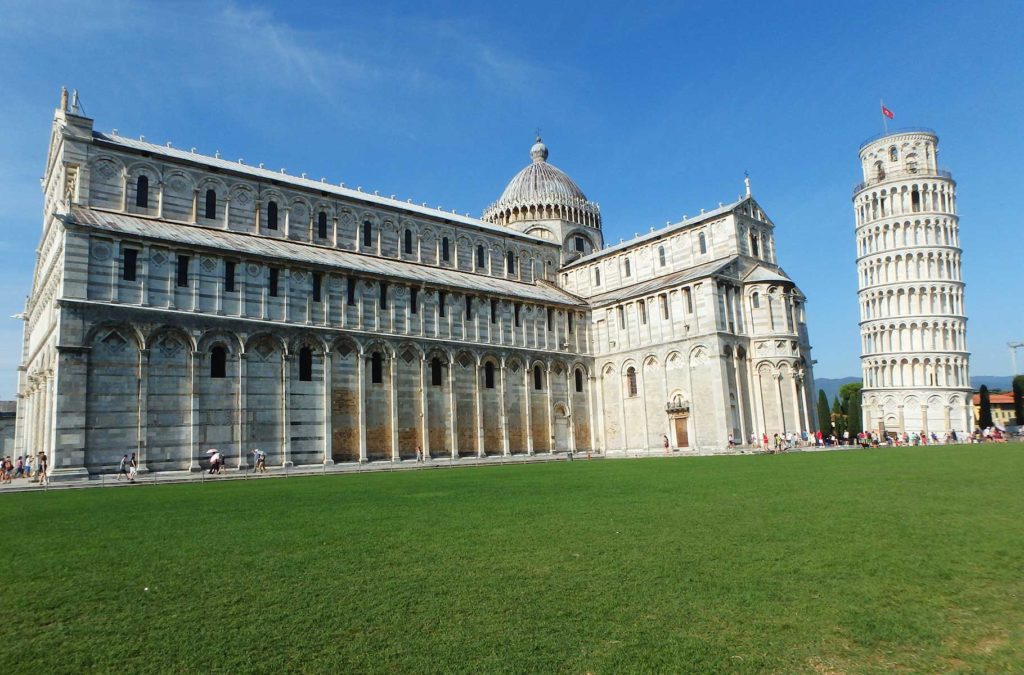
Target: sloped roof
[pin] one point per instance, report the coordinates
(658, 283)
(315, 256)
(762, 273)
(313, 185)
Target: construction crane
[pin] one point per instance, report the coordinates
(1014, 346)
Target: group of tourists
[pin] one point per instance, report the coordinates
(128, 468)
(24, 467)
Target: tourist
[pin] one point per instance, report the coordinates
(255, 459)
(764, 441)
(6, 469)
(419, 454)
(753, 439)
(665, 443)
(123, 469)
(19, 467)
(732, 441)
(261, 461)
(214, 463)
(42, 467)
(133, 468)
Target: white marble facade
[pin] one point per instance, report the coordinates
(913, 325)
(182, 301)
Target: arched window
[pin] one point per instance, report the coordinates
(631, 382)
(271, 215)
(754, 247)
(142, 192)
(445, 253)
(510, 262)
(376, 368)
(628, 269)
(703, 242)
(893, 154)
(538, 378)
(211, 204)
(879, 171)
(597, 276)
(479, 256)
(218, 362)
(408, 241)
(489, 375)
(367, 233)
(579, 244)
(915, 200)
(305, 364)
(321, 225)
(661, 256)
(435, 372)
(579, 381)
(755, 300)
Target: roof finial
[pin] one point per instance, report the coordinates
(539, 151)
(64, 99)
(746, 182)
(74, 101)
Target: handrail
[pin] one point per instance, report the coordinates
(904, 173)
(897, 132)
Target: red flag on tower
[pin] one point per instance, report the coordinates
(887, 112)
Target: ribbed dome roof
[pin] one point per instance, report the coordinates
(540, 186)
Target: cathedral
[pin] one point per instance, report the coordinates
(182, 302)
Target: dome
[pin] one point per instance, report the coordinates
(542, 191)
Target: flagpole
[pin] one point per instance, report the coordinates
(885, 123)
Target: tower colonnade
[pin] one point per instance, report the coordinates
(911, 293)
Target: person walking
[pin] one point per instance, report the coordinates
(19, 467)
(665, 443)
(732, 441)
(42, 471)
(122, 470)
(419, 454)
(133, 468)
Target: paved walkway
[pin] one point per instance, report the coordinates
(167, 477)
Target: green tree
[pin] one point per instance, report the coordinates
(824, 416)
(838, 417)
(1018, 398)
(854, 420)
(985, 416)
(848, 392)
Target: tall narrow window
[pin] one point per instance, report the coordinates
(469, 307)
(211, 204)
(515, 312)
(661, 256)
(915, 200)
(272, 282)
(442, 300)
(367, 233)
(597, 276)
(622, 317)
(229, 276)
(568, 318)
(631, 382)
(755, 300)
(142, 192)
(218, 362)
(131, 256)
(350, 290)
(376, 368)
(579, 244)
(538, 378)
(579, 381)
(688, 295)
(753, 245)
(414, 300)
(271, 215)
(480, 256)
(641, 308)
(551, 319)
(408, 241)
(629, 270)
(445, 252)
(383, 295)
(703, 243)
(317, 286)
(510, 263)
(494, 311)
(435, 372)
(182, 279)
(893, 154)
(489, 375)
(305, 365)
(663, 299)
(321, 225)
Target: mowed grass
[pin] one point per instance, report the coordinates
(856, 561)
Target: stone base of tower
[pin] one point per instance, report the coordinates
(916, 410)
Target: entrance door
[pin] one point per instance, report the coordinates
(682, 441)
(561, 424)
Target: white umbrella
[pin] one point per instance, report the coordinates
(212, 451)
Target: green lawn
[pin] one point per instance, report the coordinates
(860, 561)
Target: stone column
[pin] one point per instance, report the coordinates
(193, 462)
(550, 413)
(596, 415)
(227, 211)
(478, 411)
(796, 398)
(569, 390)
(641, 390)
(529, 411)
(396, 454)
(902, 421)
(160, 199)
(286, 409)
(243, 427)
(143, 421)
(328, 423)
(805, 409)
(740, 399)
(924, 419)
(761, 425)
(424, 416)
(782, 408)
(505, 451)
(451, 402)
(361, 377)
(195, 206)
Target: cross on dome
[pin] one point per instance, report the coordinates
(539, 151)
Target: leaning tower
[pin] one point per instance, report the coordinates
(912, 325)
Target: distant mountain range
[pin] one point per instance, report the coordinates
(831, 385)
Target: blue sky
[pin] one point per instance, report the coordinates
(655, 109)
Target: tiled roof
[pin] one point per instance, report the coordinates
(308, 184)
(316, 256)
(658, 283)
(1001, 399)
